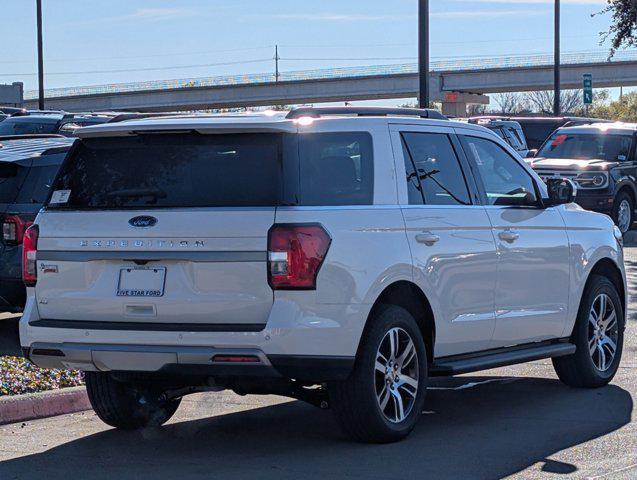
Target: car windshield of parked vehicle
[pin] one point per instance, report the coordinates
(587, 146)
(12, 127)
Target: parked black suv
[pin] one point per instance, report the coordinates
(28, 166)
(538, 129)
(601, 160)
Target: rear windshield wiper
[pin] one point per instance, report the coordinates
(155, 193)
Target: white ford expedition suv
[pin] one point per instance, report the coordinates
(341, 256)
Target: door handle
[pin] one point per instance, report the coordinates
(427, 238)
(508, 236)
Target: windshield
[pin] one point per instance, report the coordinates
(587, 146)
(12, 127)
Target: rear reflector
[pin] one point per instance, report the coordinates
(48, 352)
(295, 255)
(236, 359)
(29, 251)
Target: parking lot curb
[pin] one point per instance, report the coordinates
(18, 408)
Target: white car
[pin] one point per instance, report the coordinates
(337, 255)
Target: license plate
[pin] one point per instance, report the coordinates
(141, 282)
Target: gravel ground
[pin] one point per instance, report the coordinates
(18, 375)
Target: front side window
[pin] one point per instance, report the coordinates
(434, 175)
(587, 146)
(505, 181)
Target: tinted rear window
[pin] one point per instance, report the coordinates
(12, 176)
(37, 184)
(233, 170)
(174, 170)
(537, 133)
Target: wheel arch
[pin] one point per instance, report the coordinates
(607, 268)
(408, 295)
(627, 186)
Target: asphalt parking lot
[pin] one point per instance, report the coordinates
(517, 422)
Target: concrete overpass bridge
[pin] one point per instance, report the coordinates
(454, 82)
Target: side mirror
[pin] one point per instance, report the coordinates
(531, 153)
(561, 191)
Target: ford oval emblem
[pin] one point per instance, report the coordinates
(143, 221)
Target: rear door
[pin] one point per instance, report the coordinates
(450, 236)
(162, 228)
(533, 250)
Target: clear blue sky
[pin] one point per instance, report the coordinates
(90, 36)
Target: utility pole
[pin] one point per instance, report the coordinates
(40, 59)
(423, 53)
(556, 88)
(276, 63)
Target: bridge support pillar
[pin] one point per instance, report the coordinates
(454, 104)
(454, 109)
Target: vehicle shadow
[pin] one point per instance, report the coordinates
(483, 431)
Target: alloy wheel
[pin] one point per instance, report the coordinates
(603, 332)
(396, 375)
(624, 216)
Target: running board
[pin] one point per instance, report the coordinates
(457, 364)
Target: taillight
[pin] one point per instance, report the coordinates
(295, 255)
(29, 250)
(13, 228)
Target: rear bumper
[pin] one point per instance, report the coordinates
(187, 361)
(314, 343)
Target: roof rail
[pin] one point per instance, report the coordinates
(122, 117)
(365, 112)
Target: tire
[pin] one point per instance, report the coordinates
(126, 405)
(582, 369)
(623, 205)
(355, 401)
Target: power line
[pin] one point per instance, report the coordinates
(150, 69)
(353, 59)
(154, 55)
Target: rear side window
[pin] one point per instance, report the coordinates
(174, 170)
(336, 169)
(434, 175)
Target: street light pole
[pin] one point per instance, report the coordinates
(556, 81)
(40, 59)
(423, 53)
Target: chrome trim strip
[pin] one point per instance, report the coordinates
(213, 257)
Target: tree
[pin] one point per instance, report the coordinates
(476, 109)
(623, 30)
(542, 101)
(509, 102)
(624, 109)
